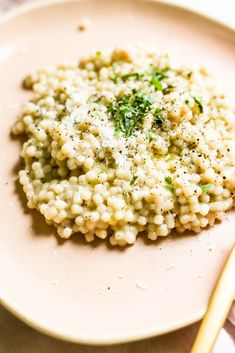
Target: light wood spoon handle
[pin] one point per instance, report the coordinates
(218, 308)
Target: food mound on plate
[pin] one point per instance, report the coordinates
(127, 142)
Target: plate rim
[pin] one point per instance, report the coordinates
(137, 334)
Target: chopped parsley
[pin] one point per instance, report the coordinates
(199, 104)
(137, 75)
(168, 186)
(186, 101)
(157, 75)
(132, 182)
(156, 83)
(115, 74)
(168, 180)
(168, 89)
(130, 110)
(152, 136)
(209, 120)
(160, 74)
(158, 118)
(206, 187)
(98, 53)
(189, 74)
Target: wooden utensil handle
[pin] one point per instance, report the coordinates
(218, 308)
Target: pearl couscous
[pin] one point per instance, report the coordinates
(127, 142)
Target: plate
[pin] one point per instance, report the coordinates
(93, 293)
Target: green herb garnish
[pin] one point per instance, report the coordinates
(132, 182)
(157, 75)
(199, 103)
(115, 74)
(152, 136)
(137, 75)
(189, 74)
(208, 120)
(98, 53)
(168, 186)
(129, 111)
(168, 180)
(156, 83)
(206, 187)
(158, 118)
(160, 74)
(186, 101)
(168, 89)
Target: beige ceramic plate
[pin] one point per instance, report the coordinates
(94, 293)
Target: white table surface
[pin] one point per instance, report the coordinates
(16, 337)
